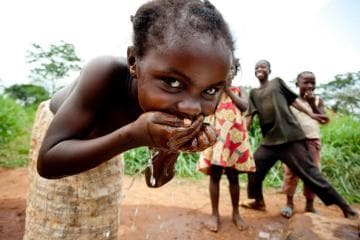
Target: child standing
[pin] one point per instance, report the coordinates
(173, 76)
(231, 153)
(284, 139)
(306, 83)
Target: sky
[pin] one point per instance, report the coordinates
(322, 36)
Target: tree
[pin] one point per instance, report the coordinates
(52, 64)
(343, 93)
(27, 94)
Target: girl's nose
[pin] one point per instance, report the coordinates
(189, 107)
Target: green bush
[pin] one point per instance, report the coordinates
(15, 130)
(11, 117)
(340, 155)
(136, 161)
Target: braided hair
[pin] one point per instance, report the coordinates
(156, 20)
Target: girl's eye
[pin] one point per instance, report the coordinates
(173, 82)
(211, 91)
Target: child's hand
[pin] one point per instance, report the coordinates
(204, 139)
(165, 131)
(310, 96)
(321, 118)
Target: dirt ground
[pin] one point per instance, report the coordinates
(174, 211)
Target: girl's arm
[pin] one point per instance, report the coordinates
(241, 100)
(248, 119)
(162, 169)
(67, 148)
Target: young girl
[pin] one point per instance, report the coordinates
(231, 154)
(157, 97)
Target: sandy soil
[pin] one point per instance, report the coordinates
(176, 211)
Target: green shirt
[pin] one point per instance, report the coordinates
(271, 103)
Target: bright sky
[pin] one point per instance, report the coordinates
(294, 35)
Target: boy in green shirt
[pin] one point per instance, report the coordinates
(284, 139)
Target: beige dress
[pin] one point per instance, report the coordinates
(83, 206)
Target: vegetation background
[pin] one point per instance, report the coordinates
(340, 159)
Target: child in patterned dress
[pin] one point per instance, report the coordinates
(231, 153)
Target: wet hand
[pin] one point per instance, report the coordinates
(204, 139)
(165, 131)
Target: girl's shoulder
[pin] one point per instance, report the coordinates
(103, 71)
(107, 65)
(101, 79)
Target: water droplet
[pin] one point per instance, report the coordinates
(107, 233)
(152, 179)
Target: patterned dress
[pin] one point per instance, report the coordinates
(232, 148)
(84, 206)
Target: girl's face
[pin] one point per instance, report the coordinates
(262, 70)
(183, 80)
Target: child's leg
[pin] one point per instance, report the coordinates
(265, 158)
(290, 183)
(314, 148)
(234, 188)
(214, 189)
(298, 159)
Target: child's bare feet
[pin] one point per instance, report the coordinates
(311, 209)
(239, 222)
(287, 211)
(213, 223)
(309, 206)
(349, 212)
(253, 204)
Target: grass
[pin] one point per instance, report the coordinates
(16, 153)
(341, 155)
(14, 148)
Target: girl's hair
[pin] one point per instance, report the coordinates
(154, 20)
(236, 64)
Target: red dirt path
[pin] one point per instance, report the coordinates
(174, 211)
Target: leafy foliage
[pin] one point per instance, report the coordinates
(343, 93)
(52, 64)
(27, 94)
(11, 115)
(341, 155)
(136, 161)
(14, 152)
